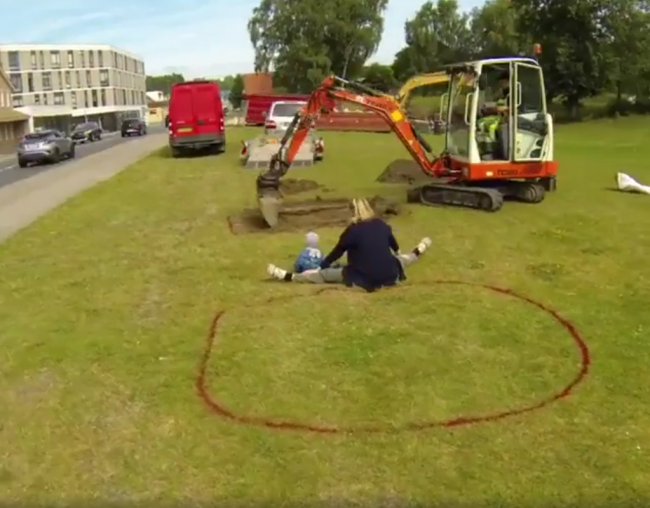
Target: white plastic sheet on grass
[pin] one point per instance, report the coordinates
(626, 183)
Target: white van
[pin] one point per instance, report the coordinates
(281, 115)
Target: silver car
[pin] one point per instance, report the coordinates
(45, 146)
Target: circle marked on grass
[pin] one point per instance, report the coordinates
(221, 409)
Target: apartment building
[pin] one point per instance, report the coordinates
(97, 82)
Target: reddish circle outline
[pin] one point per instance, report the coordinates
(219, 409)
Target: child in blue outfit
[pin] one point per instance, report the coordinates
(311, 256)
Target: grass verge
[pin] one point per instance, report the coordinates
(105, 304)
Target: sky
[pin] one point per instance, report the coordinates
(198, 38)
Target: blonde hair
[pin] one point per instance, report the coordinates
(361, 210)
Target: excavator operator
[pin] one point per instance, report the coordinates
(490, 123)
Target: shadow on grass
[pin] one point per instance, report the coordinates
(166, 153)
(619, 191)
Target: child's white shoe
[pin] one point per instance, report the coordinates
(424, 244)
(276, 272)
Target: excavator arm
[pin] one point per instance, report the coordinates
(333, 87)
(421, 80)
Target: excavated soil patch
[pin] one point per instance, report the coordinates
(291, 186)
(305, 215)
(403, 171)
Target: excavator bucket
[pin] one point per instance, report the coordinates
(270, 204)
(269, 196)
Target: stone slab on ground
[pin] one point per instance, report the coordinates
(27, 200)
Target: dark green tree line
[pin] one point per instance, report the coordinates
(589, 47)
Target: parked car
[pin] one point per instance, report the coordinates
(196, 119)
(45, 146)
(281, 114)
(133, 127)
(87, 131)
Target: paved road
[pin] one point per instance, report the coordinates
(24, 201)
(11, 173)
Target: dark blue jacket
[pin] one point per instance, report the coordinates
(371, 248)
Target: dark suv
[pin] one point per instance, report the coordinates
(133, 127)
(87, 131)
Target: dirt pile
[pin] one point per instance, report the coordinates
(306, 215)
(403, 171)
(290, 186)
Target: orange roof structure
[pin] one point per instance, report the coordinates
(258, 83)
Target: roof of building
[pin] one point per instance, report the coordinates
(67, 47)
(7, 79)
(11, 115)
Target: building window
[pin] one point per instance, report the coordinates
(56, 59)
(78, 79)
(60, 87)
(59, 98)
(45, 99)
(30, 82)
(91, 58)
(32, 60)
(89, 79)
(103, 78)
(102, 97)
(83, 58)
(124, 96)
(70, 59)
(14, 60)
(100, 58)
(47, 80)
(86, 102)
(73, 96)
(16, 82)
(114, 59)
(41, 58)
(18, 101)
(68, 80)
(95, 102)
(37, 99)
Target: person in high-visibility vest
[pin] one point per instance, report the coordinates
(489, 124)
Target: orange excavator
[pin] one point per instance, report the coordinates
(479, 166)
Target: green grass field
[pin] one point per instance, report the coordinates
(106, 302)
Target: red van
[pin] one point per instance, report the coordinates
(196, 118)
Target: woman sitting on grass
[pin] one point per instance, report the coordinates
(374, 258)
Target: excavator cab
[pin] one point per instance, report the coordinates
(497, 117)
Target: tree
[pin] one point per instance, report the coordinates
(628, 62)
(226, 82)
(303, 42)
(379, 77)
(404, 65)
(574, 41)
(439, 34)
(163, 83)
(495, 32)
(237, 91)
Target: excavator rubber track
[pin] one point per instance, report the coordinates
(489, 200)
